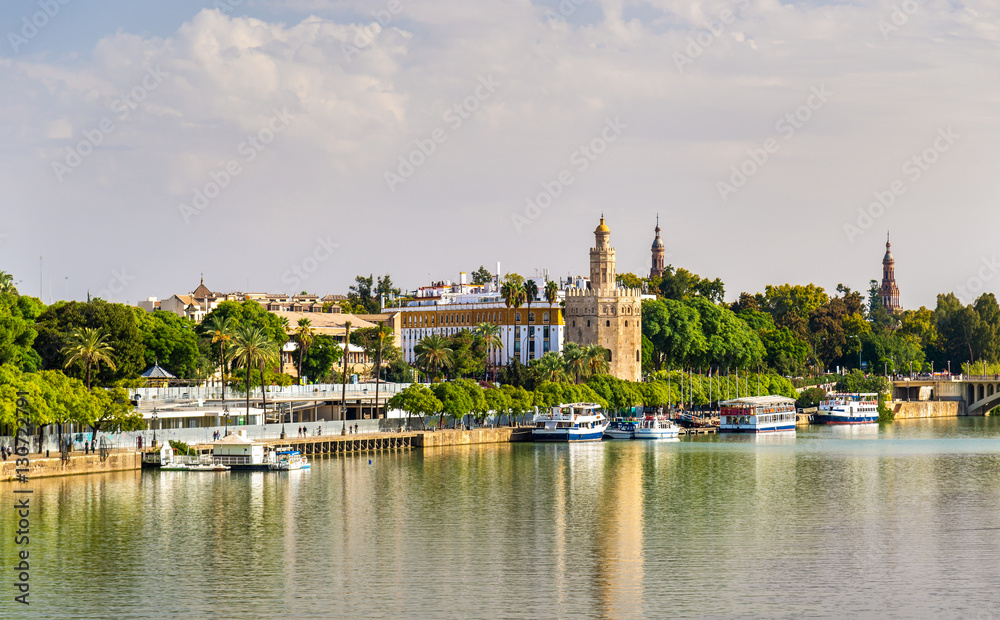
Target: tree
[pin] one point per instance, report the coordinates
(791, 305)
(7, 284)
(113, 413)
(549, 367)
(415, 399)
(91, 347)
(468, 358)
(220, 330)
(455, 401)
(360, 294)
(17, 330)
(628, 280)
(596, 357)
(252, 348)
(680, 284)
(321, 356)
(481, 276)
(551, 292)
(513, 293)
(304, 336)
(575, 361)
(810, 397)
(498, 401)
(490, 335)
(433, 354)
(675, 330)
(171, 341)
(878, 315)
(383, 333)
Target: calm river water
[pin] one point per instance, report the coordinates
(892, 521)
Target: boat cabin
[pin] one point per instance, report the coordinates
(758, 414)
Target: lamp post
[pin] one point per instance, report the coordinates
(283, 419)
(153, 423)
(225, 412)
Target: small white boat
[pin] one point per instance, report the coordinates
(571, 422)
(620, 429)
(208, 467)
(174, 467)
(656, 427)
(288, 459)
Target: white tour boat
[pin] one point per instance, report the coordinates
(288, 459)
(656, 427)
(571, 423)
(758, 414)
(848, 409)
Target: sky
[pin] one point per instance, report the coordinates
(282, 146)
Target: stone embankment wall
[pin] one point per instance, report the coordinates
(928, 409)
(54, 466)
(458, 438)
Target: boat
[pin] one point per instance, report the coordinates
(571, 422)
(656, 427)
(288, 459)
(758, 414)
(175, 467)
(620, 429)
(847, 408)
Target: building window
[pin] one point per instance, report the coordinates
(626, 323)
(531, 317)
(517, 317)
(545, 346)
(545, 317)
(588, 323)
(607, 323)
(638, 355)
(574, 322)
(545, 332)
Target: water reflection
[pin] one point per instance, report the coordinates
(827, 523)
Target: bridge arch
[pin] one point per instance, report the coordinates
(983, 405)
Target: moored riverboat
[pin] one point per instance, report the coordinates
(758, 414)
(571, 422)
(656, 427)
(848, 408)
(288, 459)
(620, 429)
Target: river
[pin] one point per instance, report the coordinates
(899, 520)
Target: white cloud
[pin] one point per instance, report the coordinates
(355, 114)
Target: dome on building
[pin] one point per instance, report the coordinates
(603, 228)
(888, 254)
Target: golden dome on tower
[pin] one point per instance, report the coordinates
(603, 228)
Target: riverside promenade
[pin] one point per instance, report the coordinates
(77, 463)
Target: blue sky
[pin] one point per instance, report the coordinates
(777, 141)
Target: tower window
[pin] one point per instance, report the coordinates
(588, 323)
(638, 355)
(626, 323)
(607, 323)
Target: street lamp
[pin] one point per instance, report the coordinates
(283, 419)
(153, 421)
(225, 412)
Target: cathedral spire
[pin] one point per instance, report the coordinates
(889, 292)
(658, 251)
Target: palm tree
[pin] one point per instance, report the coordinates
(91, 346)
(7, 283)
(433, 353)
(576, 363)
(304, 337)
(550, 367)
(490, 334)
(551, 292)
(254, 348)
(597, 359)
(513, 294)
(221, 330)
(343, 392)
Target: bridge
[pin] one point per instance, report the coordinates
(978, 393)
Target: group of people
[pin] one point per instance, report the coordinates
(217, 435)
(304, 432)
(6, 451)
